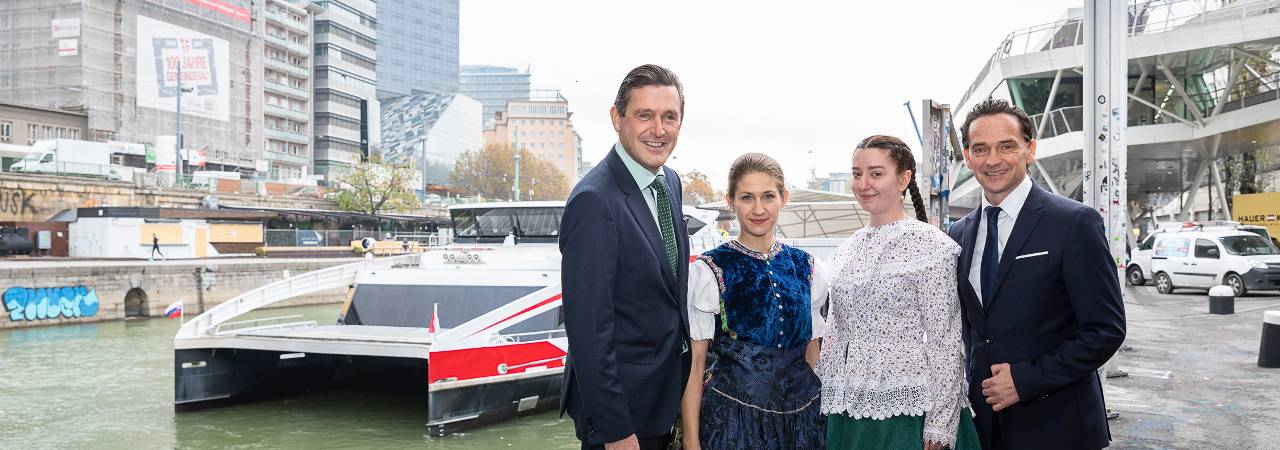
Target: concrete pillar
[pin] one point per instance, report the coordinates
(1106, 92)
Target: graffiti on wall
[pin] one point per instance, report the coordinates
(17, 202)
(50, 303)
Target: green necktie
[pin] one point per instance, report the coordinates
(664, 221)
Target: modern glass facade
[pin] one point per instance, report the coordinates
(429, 132)
(493, 87)
(417, 47)
(346, 106)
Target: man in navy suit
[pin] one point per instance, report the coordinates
(1040, 293)
(625, 249)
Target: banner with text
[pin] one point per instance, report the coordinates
(205, 70)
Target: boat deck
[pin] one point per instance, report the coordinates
(364, 340)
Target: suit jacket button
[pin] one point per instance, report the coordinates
(989, 339)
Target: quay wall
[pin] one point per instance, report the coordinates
(44, 296)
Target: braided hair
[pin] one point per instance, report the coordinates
(901, 156)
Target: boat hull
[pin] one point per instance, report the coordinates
(457, 406)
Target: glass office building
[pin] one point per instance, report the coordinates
(417, 47)
(493, 87)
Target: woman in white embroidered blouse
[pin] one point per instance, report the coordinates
(892, 367)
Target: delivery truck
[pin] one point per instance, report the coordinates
(69, 157)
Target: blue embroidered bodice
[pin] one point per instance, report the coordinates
(764, 297)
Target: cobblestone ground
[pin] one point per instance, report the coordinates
(1194, 380)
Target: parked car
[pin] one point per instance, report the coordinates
(1202, 258)
(1138, 269)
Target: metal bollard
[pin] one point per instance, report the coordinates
(1222, 300)
(1269, 349)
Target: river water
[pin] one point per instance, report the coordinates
(110, 385)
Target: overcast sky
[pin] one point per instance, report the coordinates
(783, 78)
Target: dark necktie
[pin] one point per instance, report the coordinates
(991, 254)
(664, 221)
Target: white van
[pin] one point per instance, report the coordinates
(1203, 258)
(1138, 270)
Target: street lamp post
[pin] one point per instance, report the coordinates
(515, 187)
(423, 145)
(177, 135)
(177, 138)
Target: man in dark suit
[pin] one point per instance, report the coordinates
(624, 275)
(1040, 293)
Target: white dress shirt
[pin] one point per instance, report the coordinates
(1009, 209)
(644, 180)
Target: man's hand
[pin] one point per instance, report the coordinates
(999, 389)
(627, 443)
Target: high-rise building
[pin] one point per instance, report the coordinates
(493, 87)
(543, 125)
(117, 62)
(286, 110)
(346, 106)
(429, 132)
(417, 47)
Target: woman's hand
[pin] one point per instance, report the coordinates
(930, 445)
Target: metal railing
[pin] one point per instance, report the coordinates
(317, 238)
(290, 158)
(267, 323)
(287, 67)
(287, 90)
(343, 238)
(1145, 18)
(205, 325)
(299, 116)
(1061, 121)
(74, 169)
(285, 19)
(294, 47)
(284, 135)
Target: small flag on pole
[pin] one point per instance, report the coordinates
(435, 318)
(174, 310)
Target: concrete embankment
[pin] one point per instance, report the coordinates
(42, 292)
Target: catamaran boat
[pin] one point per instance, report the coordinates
(477, 322)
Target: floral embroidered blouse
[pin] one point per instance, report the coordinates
(893, 330)
(773, 299)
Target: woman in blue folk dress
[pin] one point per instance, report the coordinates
(754, 305)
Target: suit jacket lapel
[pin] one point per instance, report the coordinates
(968, 239)
(640, 212)
(1025, 223)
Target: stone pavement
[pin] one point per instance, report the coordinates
(1194, 380)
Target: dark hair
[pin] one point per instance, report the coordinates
(646, 75)
(991, 107)
(751, 163)
(901, 156)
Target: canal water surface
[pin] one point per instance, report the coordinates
(110, 385)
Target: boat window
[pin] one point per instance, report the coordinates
(464, 223)
(1247, 245)
(539, 222)
(493, 222)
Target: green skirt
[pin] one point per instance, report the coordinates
(894, 433)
